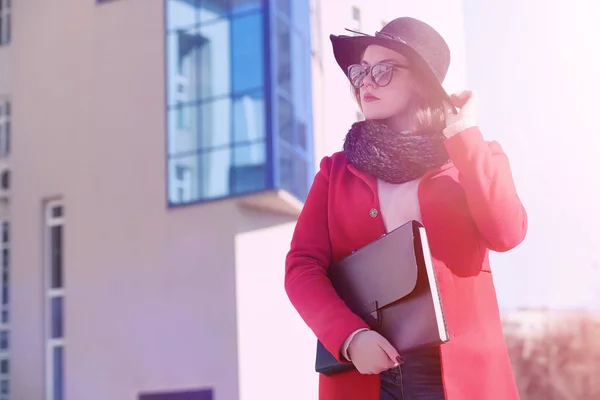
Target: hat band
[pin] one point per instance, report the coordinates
(378, 34)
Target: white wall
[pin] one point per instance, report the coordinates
(276, 349)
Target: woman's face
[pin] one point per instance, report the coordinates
(383, 102)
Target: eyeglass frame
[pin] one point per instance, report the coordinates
(369, 71)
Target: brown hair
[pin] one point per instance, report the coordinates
(425, 110)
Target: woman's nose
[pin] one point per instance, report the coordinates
(368, 81)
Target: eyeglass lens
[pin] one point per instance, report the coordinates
(381, 74)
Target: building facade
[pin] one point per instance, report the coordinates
(154, 155)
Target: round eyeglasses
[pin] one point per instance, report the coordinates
(381, 73)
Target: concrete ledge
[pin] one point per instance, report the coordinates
(276, 201)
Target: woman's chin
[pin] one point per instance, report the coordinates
(374, 115)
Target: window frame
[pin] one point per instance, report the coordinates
(5, 308)
(51, 293)
(5, 125)
(269, 91)
(5, 22)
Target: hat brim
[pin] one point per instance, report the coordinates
(348, 50)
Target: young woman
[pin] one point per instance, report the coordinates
(413, 158)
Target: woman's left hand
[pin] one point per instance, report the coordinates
(467, 103)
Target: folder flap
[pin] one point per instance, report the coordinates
(381, 273)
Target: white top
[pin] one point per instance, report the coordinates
(398, 204)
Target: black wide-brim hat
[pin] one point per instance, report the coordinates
(424, 47)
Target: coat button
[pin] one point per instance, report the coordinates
(373, 213)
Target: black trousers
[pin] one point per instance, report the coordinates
(418, 378)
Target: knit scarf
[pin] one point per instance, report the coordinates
(394, 157)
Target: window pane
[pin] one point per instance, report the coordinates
(181, 14)
(248, 59)
(210, 10)
(7, 136)
(5, 236)
(5, 258)
(214, 180)
(57, 212)
(5, 315)
(205, 125)
(4, 340)
(249, 172)
(4, 367)
(207, 176)
(5, 287)
(214, 128)
(3, 140)
(183, 180)
(250, 154)
(199, 63)
(56, 311)
(299, 93)
(188, 81)
(284, 7)
(300, 187)
(286, 169)
(286, 120)
(216, 57)
(249, 117)
(58, 373)
(4, 386)
(183, 128)
(283, 56)
(301, 134)
(293, 172)
(238, 6)
(56, 257)
(301, 13)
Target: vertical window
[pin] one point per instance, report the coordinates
(233, 93)
(183, 183)
(4, 127)
(356, 19)
(216, 99)
(4, 321)
(55, 294)
(4, 27)
(293, 101)
(315, 29)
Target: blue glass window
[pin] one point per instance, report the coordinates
(294, 97)
(247, 52)
(56, 304)
(232, 94)
(58, 378)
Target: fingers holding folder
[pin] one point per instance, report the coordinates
(371, 353)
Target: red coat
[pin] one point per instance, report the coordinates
(468, 207)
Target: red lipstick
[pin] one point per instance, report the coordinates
(368, 97)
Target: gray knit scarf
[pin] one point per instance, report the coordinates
(394, 157)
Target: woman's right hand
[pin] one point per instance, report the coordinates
(371, 353)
